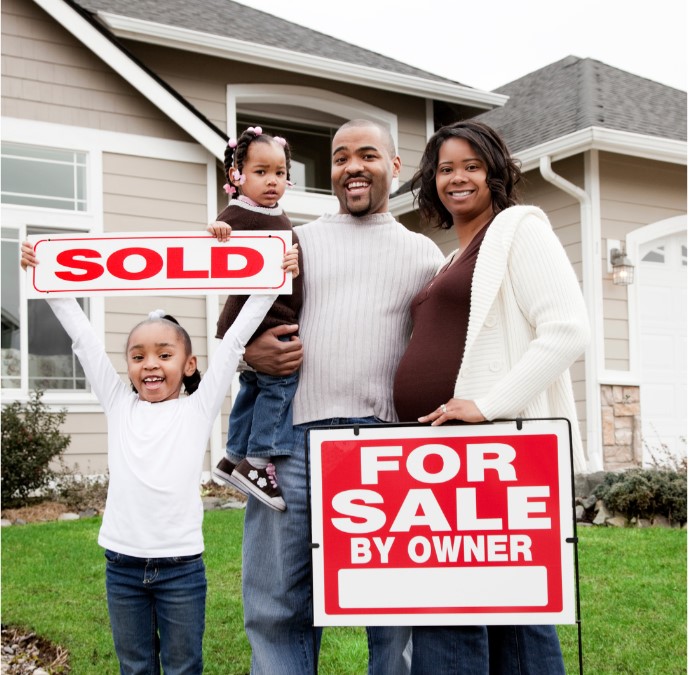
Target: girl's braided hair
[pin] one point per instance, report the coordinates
(237, 150)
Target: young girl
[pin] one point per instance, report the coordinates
(260, 422)
(152, 525)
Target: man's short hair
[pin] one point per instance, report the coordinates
(382, 128)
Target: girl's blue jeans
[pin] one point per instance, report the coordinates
(157, 612)
(260, 422)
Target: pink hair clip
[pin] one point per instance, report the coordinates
(255, 130)
(229, 189)
(239, 177)
(290, 184)
(232, 143)
(280, 140)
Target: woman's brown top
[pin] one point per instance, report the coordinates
(440, 313)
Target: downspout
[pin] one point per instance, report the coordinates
(593, 441)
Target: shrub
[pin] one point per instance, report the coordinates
(78, 492)
(31, 438)
(646, 493)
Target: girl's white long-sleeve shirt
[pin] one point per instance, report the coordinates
(155, 450)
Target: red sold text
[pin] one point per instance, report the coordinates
(138, 262)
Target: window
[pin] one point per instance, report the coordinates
(44, 177)
(656, 255)
(310, 147)
(308, 118)
(49, 360)
(41, 188)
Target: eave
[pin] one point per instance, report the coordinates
(606, 140)
(296, 62)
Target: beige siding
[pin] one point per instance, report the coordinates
(143, 194)
(49, 76)
(411, 132)
(87, 451)
(634, 192)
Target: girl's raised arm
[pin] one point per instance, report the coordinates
(86, 345)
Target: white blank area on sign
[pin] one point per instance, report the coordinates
(450, 587)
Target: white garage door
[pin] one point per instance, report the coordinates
(661, 279)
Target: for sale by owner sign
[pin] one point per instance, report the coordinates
(180, 263)
(459, 524)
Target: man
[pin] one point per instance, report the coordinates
(361, 270)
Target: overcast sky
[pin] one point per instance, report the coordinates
(488, 43)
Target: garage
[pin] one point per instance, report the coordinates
(661, 287)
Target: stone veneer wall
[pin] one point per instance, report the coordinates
(621, 427)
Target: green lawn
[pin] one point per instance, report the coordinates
(633, 599)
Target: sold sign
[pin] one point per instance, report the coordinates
(458, 524)
(181, 263)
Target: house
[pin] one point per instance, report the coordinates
(604, 154)
(115, 115)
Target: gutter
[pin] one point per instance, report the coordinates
(607, 140)
(590, 253)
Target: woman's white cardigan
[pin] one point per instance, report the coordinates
(528, 324)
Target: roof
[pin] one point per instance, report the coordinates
(92, 22)
(575, 94)
(233, 20)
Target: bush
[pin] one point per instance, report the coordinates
(31, 438)
(78, 492)
(646, 493)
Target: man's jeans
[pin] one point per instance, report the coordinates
(478, 650)
(277, 581)
(157, 612)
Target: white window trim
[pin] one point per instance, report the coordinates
(305, 206)
(22, 217)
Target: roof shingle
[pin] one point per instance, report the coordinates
(574, 94)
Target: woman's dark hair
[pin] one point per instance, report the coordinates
(503, 172)
(190, 382)
(235, 156)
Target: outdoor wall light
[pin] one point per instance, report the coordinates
(622, 268)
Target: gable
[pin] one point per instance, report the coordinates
(48, 75)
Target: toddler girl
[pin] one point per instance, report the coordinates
(260, 422)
